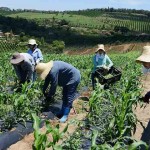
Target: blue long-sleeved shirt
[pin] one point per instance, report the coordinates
(105, 61)
(61, 74)
(36, 54)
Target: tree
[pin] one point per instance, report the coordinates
(58, 46)
(121, 29)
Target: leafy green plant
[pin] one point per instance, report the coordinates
(41, 141)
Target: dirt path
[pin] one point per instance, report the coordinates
(143, 114)
(122, 48)
(27, 141)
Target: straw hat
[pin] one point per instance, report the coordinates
(145, 57)
(32, 42)
(100, 47)
(43, 69)
(16, 58)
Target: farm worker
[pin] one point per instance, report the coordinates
(35, 53)
(62, 74)
(144, 59)
(24, 65)
(100, 59)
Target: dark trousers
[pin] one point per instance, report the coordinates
(69, 92)
(93, 80)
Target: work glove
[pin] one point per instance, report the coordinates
(100, 66)
(106, 68)
(28, 80)
(21, 82)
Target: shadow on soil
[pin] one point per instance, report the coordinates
(146, 135)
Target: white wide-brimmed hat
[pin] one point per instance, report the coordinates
(32, 42)
(100, 47)
(16, 58)
(43, 69)
(145, 57)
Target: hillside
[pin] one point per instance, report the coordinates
(105, 21)
(79, 28)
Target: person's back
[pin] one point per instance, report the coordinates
(24, 66)
(28, 58)
(66, 73)
(62, 74)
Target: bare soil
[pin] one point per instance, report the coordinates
(143, 114)
(122, 48)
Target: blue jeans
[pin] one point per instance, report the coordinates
(69, 92)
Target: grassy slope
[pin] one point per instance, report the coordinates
(104, 21)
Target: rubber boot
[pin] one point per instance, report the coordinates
(65, 114)
(60, 113)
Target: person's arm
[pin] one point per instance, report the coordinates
(46, 83)
(40, 56)
(29, 69)
(53, 82)
(109, 62)
(94, 62)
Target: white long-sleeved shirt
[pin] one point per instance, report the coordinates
(27, 66)
(36, 54)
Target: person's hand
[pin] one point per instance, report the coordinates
(28, 80)
(98, 66)
(49, 99)
(21, 82)
(107, 68)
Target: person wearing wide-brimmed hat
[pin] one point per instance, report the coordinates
(144, 59)
(100, 59)
(24, 66)
(62, 74)
(35, 53)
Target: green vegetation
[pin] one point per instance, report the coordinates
(111, 114)
(111, 119)
(105, 21)
(74, 28)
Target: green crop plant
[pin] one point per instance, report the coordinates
(118, 145)
(41, 141)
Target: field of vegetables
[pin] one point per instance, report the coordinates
(110, 120)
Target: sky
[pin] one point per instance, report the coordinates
(62, 5)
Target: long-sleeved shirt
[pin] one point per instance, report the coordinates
(36, 54)
(105, 61)
(25, 70)
(61, 74)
